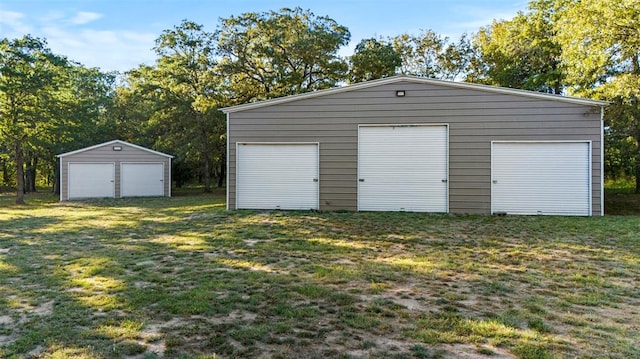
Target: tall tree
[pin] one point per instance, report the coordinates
(601, 56)
(432, 55)
(520, 53)
(185, 93)
(28, 74)
(272, 54)
(83, 100)
(373, 59)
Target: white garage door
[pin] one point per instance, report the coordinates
(91, 180)
(277, 176)
(403, 168)
(141, 179)
(552, 178)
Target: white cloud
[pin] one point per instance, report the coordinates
(109, 50)
(85, 17)
(12, 24)
(75, 38)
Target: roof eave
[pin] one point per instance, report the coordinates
(110, 143)
(399, 78)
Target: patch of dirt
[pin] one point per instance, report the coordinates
(252, 242)
(344, 261)
(6, 320)
(151, 335)
(468, 351)
(139, 284)
(36, 351)
(410, 304)
(43, 309)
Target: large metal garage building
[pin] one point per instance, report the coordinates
(415, 144)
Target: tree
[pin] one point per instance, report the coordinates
(84, 98)
(373, 59)
(520, 53)
(273, 54)
(182, 93)
(431, 55)
(28, 77)
(600, 40)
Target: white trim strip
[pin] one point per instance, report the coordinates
(602, 161)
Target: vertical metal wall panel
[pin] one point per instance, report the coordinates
(548, 178)
(403, 168)
(277, 176)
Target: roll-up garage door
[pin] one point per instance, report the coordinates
(91, 180)
(551, 178)
(277, 176)
(141, 179)
(403, 168)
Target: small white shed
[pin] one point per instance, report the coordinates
(114, 169)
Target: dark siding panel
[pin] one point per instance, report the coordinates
(475, 118)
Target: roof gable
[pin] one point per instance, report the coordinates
(113, 143)
(413, 79)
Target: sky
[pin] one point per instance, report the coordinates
(118, 35)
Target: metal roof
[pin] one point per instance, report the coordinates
(413, 79)
(113, 143)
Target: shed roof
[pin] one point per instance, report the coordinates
(414, 79)
(113, 143)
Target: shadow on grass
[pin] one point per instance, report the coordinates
(182, 277)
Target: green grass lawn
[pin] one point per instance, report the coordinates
(180, 277)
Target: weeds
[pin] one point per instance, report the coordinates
(181, 277)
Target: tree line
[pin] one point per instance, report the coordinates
(50, 104)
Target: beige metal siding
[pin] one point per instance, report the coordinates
(475, 118)
(107, 154)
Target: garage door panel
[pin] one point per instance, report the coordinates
(541, 178)
(141, 179)
(91, 180)
(277, 176)
(402, 168)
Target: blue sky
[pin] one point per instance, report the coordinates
(119, 34)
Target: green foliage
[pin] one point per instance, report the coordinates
(174, 105)
(431, 55)
(601, 56)
(519, 53)
(273, 54)
(373, 59)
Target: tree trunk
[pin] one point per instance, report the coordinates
(222, 173)
(205, 156)
(19, 173)
(56, 177)
(6, 180)
(207, 174)
(30, 173)
(637, 179)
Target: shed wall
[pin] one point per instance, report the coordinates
(107, 154)
(475, 118)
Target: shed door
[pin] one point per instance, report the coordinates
(551, 178)
(403, 168)
(91, 180)
(141, 179)
(277, 176)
